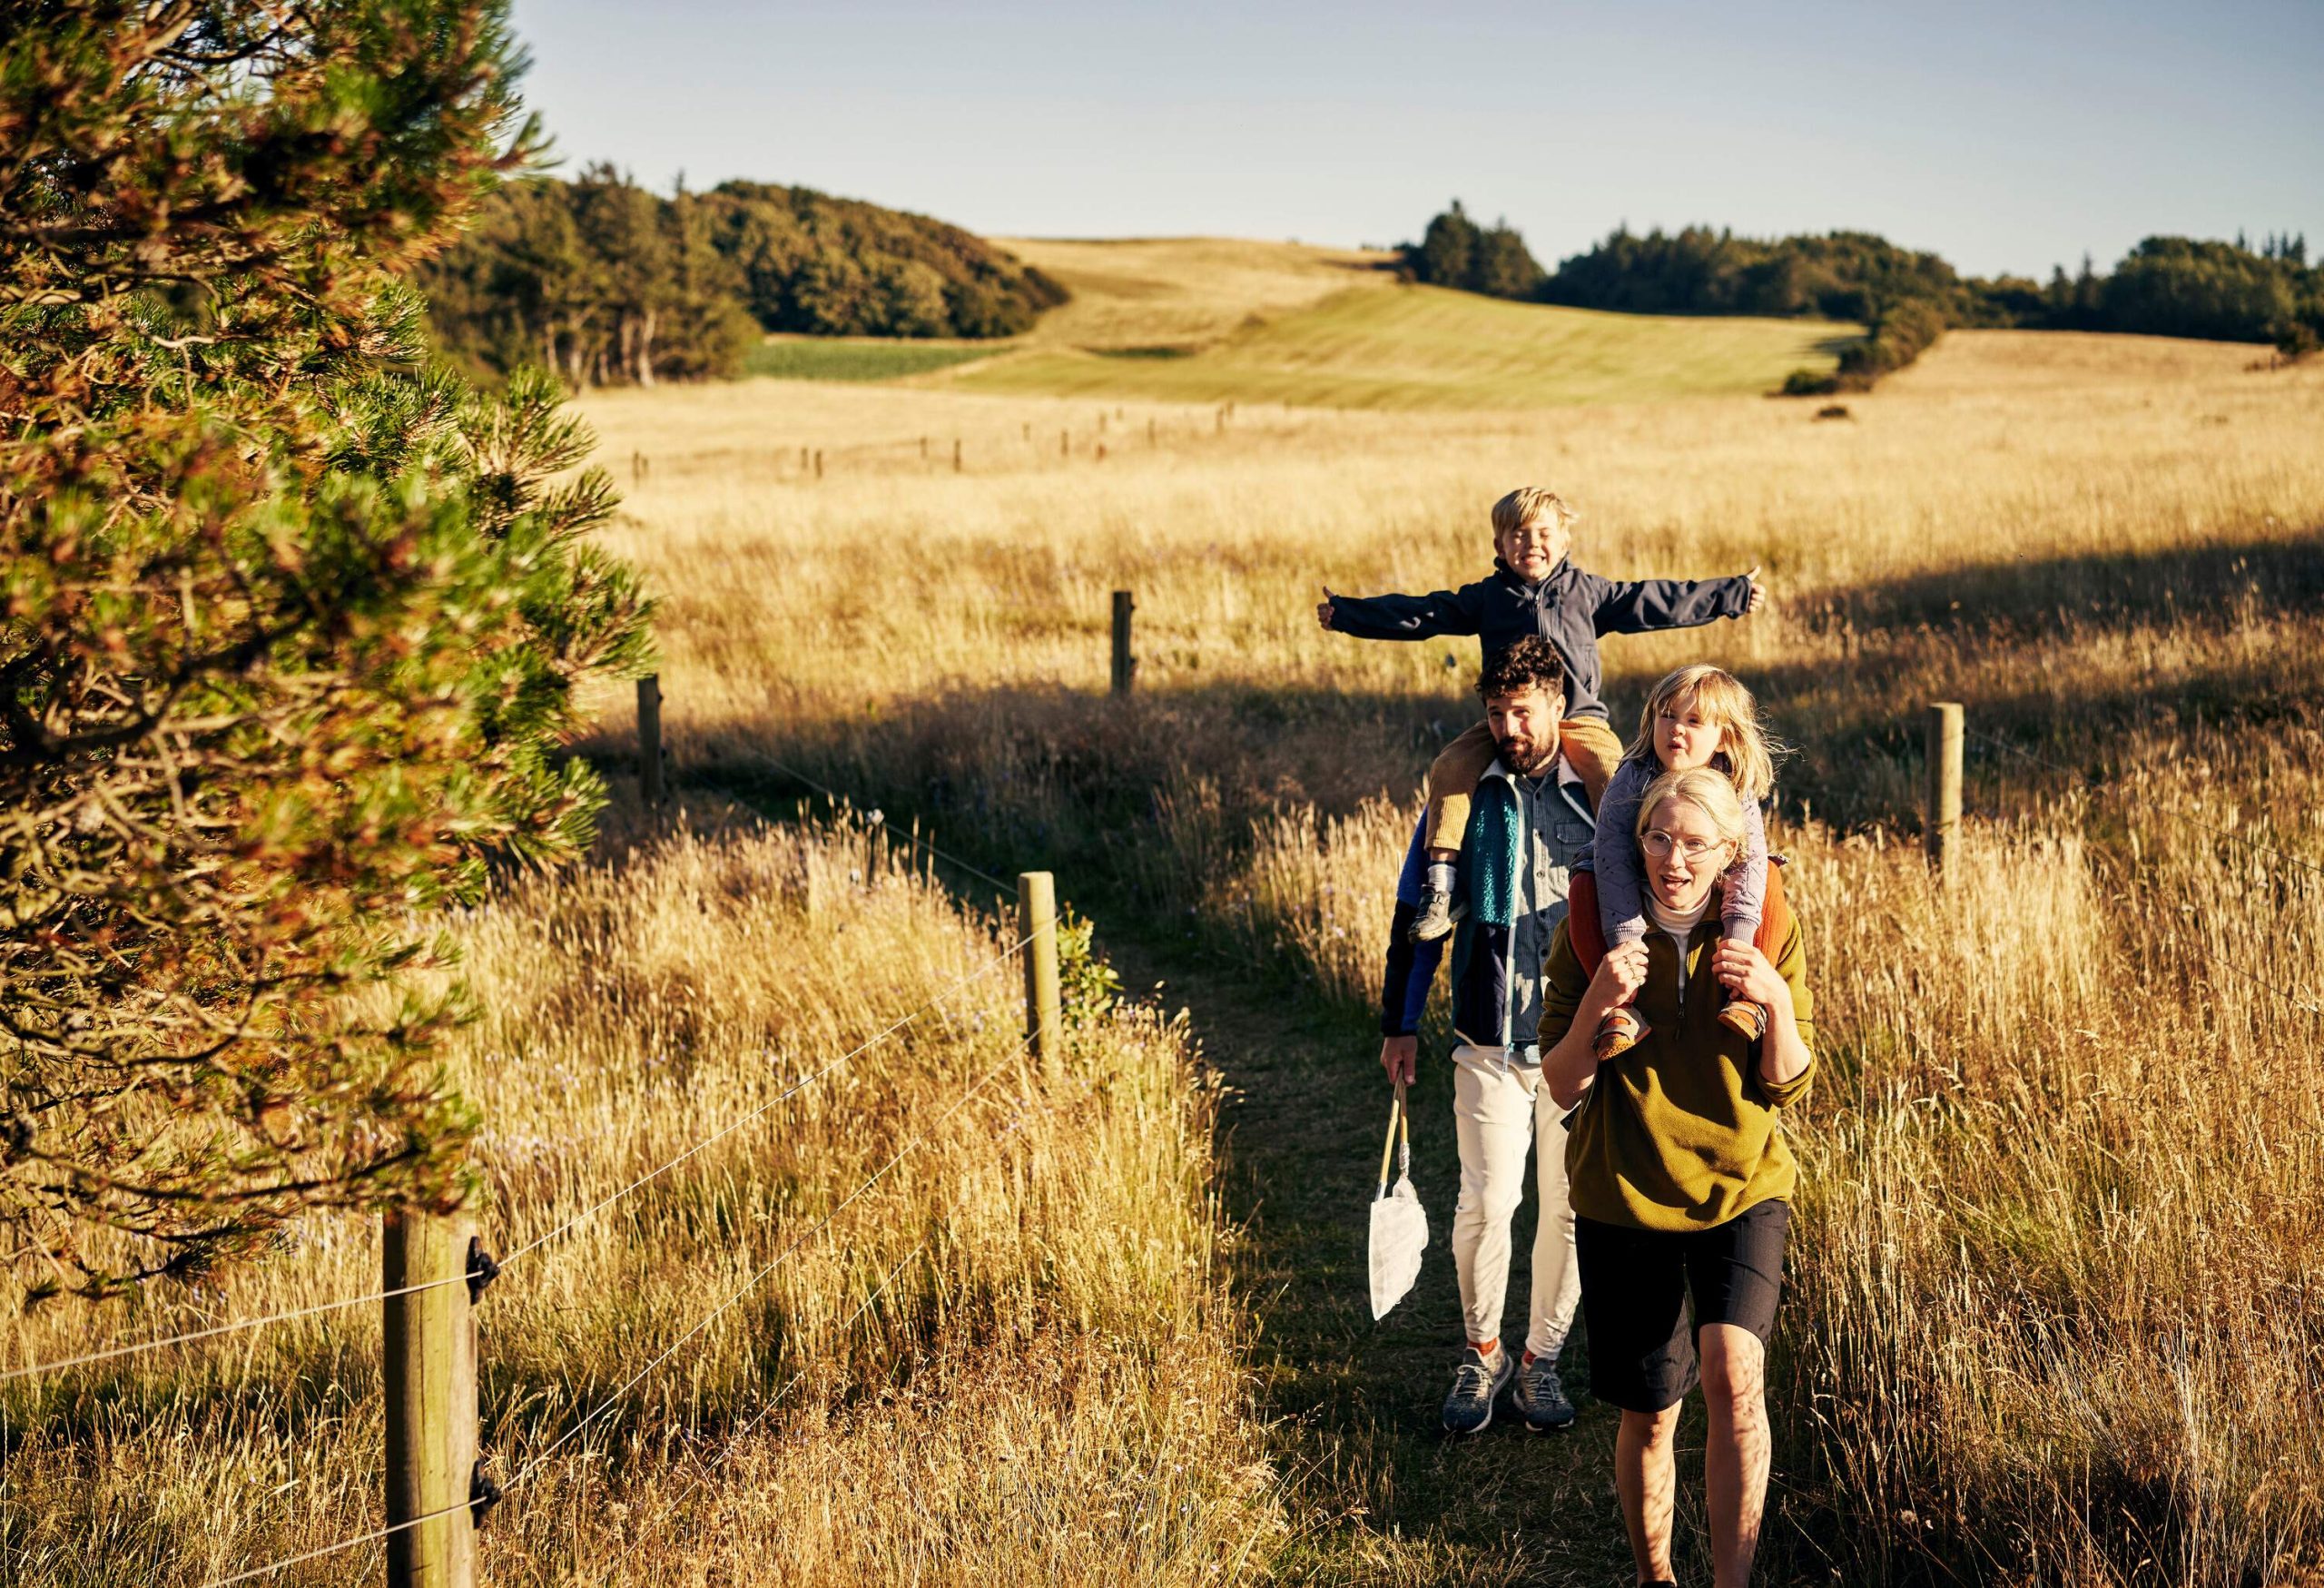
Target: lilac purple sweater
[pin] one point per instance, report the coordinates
(1621, 904)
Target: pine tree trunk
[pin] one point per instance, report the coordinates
(645, 349)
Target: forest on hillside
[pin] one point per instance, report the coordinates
(608, 282)
(2165, 286)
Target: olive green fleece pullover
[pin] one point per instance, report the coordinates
(1679, 1133)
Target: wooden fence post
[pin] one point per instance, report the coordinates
(819, 463)
(1036, 922)
(428, 1342)
(923, 448)
(1943, 825)
(956, 454)
(1065, 443)
(1125, 665)
(649, 740)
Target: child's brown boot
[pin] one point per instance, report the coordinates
(1618, 1030)
(1744, 1016)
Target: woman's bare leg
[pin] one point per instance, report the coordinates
(1735, 1458)
(1646, 1474)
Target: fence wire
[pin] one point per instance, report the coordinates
(534, 1464)
(60, 1363)
(794, 1090)
(139, 1347)
(287, 1562)
(838, 799)
(799, 1244)
(609, 1402)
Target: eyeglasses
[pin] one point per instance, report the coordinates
(1658, 844)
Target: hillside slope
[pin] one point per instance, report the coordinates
(1184, 292)
(1381, 345)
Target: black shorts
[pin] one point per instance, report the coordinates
(1635, 1285)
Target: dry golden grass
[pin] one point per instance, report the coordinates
(1014, 1355)
(2052, 1314)
(2050, 1321)
(890, 578)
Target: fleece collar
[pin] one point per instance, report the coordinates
(1510, 576)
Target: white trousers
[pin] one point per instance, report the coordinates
(1501, 1109)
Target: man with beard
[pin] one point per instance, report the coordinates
(1532, 822)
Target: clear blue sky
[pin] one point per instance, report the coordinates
(2004, 136)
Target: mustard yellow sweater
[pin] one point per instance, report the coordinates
(1680, 1132)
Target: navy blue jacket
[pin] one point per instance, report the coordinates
(1569, 608)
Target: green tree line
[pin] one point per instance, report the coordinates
(609, 283)
(2166, 286)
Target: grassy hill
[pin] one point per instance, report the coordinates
(1410, 347)
(1222, 320)
(1185, 292)
(1219, 319)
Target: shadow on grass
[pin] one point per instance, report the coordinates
(2069, 595)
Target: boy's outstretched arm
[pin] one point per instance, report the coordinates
(1399, 617)
(1638, 605)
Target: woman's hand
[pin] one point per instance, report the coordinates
(1758, 592)
(1569, 1064)
(1620, 976)
(1747, 973)
(1323, 609)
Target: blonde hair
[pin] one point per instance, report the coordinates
(1727, 706)
(1712, 793)
(1530, 503)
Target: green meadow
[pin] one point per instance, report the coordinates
(1413, 347)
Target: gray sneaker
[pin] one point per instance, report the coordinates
(1540, 1398)
(1433, 917)
(1476, 1384)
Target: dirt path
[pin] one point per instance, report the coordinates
(1381, 1494)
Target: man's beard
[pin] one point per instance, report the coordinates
(1543, 755)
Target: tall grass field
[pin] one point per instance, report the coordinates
(2052, 1315)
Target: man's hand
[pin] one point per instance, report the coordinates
(1620, 976)
(1324, 608)
(1758, 592)
(1745, 972)
(1400, 1057)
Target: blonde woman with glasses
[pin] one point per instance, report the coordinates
(1676, 1165)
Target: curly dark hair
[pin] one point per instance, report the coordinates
(1530, 664)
